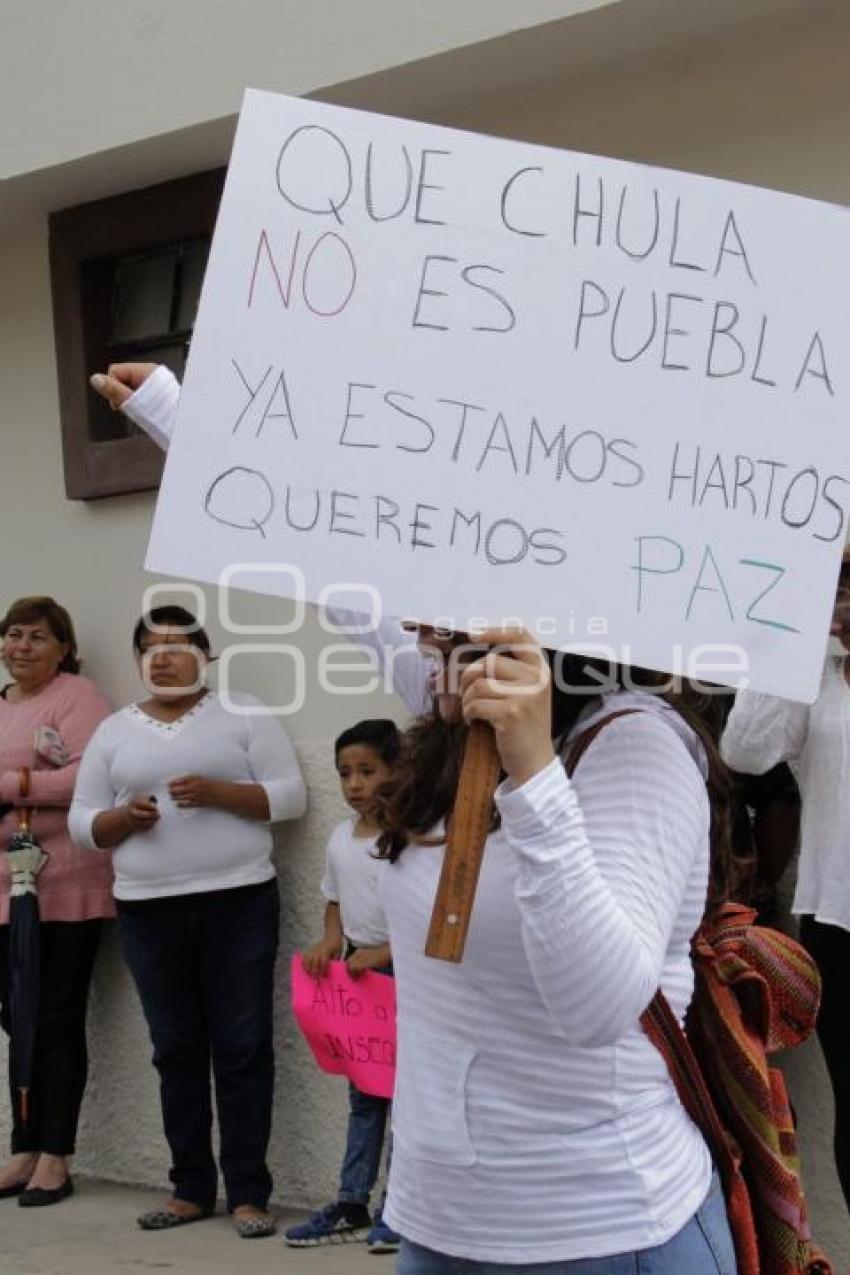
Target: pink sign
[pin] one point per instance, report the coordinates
(349, 1024)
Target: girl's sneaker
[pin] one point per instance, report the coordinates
(334, 1224)
(381, 1239)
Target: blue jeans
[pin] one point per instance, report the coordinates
(702, 1247)
(203, 965)
(367, 1123)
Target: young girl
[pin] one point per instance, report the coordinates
(355, 928)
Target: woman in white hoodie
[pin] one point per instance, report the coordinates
(535, 1124)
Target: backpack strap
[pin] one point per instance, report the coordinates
(668, 1036)
(583, 741)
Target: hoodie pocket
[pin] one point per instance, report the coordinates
(429, 1105)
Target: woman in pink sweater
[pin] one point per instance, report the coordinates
(47, 715)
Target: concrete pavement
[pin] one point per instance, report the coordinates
(95, 1233)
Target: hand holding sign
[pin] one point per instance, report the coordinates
(364, 959)
(506, 697)
(316, 960)
(510, 690)
(120, 381)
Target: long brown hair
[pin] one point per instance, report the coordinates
(424, 787)
(41, 609)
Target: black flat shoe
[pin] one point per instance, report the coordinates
(38, 1197)
(7, 1192)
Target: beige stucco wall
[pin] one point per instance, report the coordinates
(161, 66)
(773, 110)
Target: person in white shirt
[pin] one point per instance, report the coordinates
(183, 790)
(763, 730)
(534, 1123)
(355, 928)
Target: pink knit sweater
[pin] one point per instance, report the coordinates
(74, 885)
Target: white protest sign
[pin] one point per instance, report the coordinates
(496, 379)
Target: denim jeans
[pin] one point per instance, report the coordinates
(367, 1121)
(367, 1125)
(203, 965)
(702, 1247)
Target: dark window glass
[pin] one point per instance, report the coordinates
(153, 303)
(127, 274)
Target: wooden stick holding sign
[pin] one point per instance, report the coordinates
(468, 828)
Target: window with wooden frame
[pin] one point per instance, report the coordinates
(126, 274)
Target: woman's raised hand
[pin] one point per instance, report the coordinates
(510, 688)
(120, 381)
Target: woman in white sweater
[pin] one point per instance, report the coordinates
(535, 1124)
(183, 790)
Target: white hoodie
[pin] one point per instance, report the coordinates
(533, 1119)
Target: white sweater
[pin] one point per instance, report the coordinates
(196, 850)
(533, 1119)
